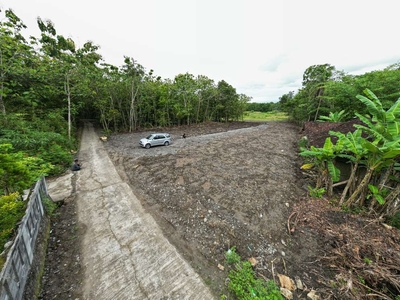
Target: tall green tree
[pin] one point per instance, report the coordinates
(227, 100)
(314, 80)
(133, 74)
(15, 54)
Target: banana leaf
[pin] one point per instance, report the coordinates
(333, 171)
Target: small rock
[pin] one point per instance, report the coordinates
(312, 295)
(286, 293)
(387, 226)
(299, 284)
(287, 204)
(221, 267)
(253, 261)
(286, 282)
(8, 245)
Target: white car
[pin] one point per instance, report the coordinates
(155, 139)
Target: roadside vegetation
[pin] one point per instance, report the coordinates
(244, 284)
(372, 152)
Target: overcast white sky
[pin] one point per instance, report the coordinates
(260, 47)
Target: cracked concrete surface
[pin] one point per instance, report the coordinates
(124, 252)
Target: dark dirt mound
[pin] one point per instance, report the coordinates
(317, 132)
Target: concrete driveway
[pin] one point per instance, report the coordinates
(125, 255)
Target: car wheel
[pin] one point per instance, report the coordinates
(166, 143)
(147, 146)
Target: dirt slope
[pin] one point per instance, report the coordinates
(214, 191)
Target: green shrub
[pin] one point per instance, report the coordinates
(231, 256)
(12, 209)
(49, 205)
(316, 193)
(244, 284)
(44, 137)
(59, 157)
(18, 171)
(395, 220)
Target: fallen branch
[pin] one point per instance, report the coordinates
(291, 230)
(339, 183)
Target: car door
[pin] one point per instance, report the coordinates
(158, 140)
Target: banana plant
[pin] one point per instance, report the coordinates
(323, 159)
(381, 125)
(351, 149)
(377, 159)
(382, 146)
(333, 117)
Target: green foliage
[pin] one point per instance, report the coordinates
(244, 284)
(323, 158)
(231, 256)
(12, 209)
(263, 107)
(375, 147)
(337, 91)
(367, 260)
(376, 193)
(49, 146)
(394, 220)
(316, 192)
(49, 205)
(334, 116)
(18, 171)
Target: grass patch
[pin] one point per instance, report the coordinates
(244, 284)
(265, 116)
(49, 205)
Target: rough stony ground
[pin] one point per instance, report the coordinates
(220, 187)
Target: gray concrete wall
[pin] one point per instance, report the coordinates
(14, 274)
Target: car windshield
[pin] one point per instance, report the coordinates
(149, 137)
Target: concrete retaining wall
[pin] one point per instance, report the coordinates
(15, 272)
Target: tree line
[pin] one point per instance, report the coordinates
(326, 90)
(49, 74)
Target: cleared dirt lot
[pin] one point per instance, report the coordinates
(239, 184)
(224, 185)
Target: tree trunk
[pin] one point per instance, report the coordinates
(360, 189)
(68, 93)
(392, 203)
(349, 183)
(319, 97)
(132, 110)
(2, 106)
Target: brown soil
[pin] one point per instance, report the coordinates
(63, 272)
(239, 184)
